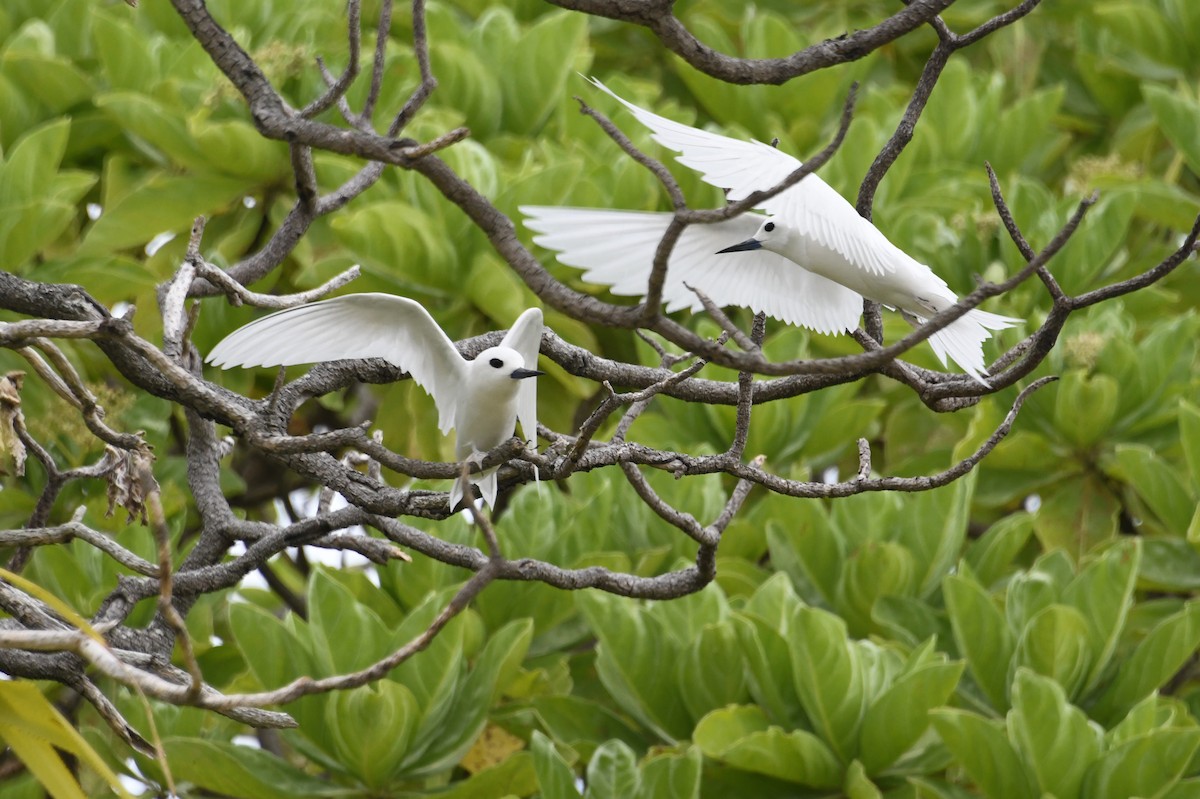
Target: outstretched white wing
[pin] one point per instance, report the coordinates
(616, 249)
(811, 207)
(525, 336)
(374, 325)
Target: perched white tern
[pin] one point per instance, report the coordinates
(751, 260)
(481, 399)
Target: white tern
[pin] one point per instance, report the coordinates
(481, 399)
(750, 260)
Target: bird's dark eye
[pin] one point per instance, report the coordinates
(769, 227)
(496, 363)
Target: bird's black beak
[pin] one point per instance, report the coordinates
(748, 244)
(521, 374)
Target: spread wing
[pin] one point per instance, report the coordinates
(811, 207)
(525, 336)
(397, 329)
(616, 249)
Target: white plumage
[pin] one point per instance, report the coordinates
(481, 399)
(843, 256)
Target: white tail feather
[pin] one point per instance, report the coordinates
(962, 340)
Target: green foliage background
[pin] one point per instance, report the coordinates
(964, 642)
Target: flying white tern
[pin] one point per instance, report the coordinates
(751, 260)
(481, 399)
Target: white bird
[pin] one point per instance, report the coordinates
(481, 399)
(843, 256)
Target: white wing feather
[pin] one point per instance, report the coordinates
(616, 249)
(373, 325)
(525, 336)
(811, 207)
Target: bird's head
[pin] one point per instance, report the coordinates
(501, 364)
(771, 235)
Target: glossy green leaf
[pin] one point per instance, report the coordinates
(161, 204)
(741, 737)
(1145, 766)
(612, 772)
(1189, 437)
(581, 723)
(1176, 114)
(992, 554)
(1103, 595)
(985, 752)
(1057, 644)
(1158, 484)
(982, 634)
(900, 715)
(1153, 662)
(1077, 390)
(672, 775)
(33, 728)
(829, 678)
(1055, 738)
(556, 780)
(356, 719)
(710, 671)
(243, 772)
(633, 650)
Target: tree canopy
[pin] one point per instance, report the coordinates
(746, 559)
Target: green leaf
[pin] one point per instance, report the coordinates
(672, 775)
(631, 654)
(162, 203)
(356, 719)
(347, 635)
(1103, 593)
(243, 772)
(612, 772)
(1098, 393)
(983, 749)
(1189, 437)
(274, 654)
(536, 70)
(442, 741)
(1158, 483)
(1159, 656)
(982, 634)
(29, 167)
(1171, 565)
(809, 551)
(875, 570)
(583, 724)
(1176, 114)
(991, 556)
(56, 82)
(1078, 515)
(710, 673)
(741, 737)
(1056, 739)
(556, 780)
(900, 715)
(858, 785)
(32, 727)
(829, 678)
(516, 775)
(769, 665)
(1057, 643)
(1145, 766)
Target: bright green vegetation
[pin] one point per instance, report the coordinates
(962, 642)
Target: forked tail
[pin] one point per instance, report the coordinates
(962, 340)
(486, 481)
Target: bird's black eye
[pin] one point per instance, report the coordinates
(496, 363)
(769, 227)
